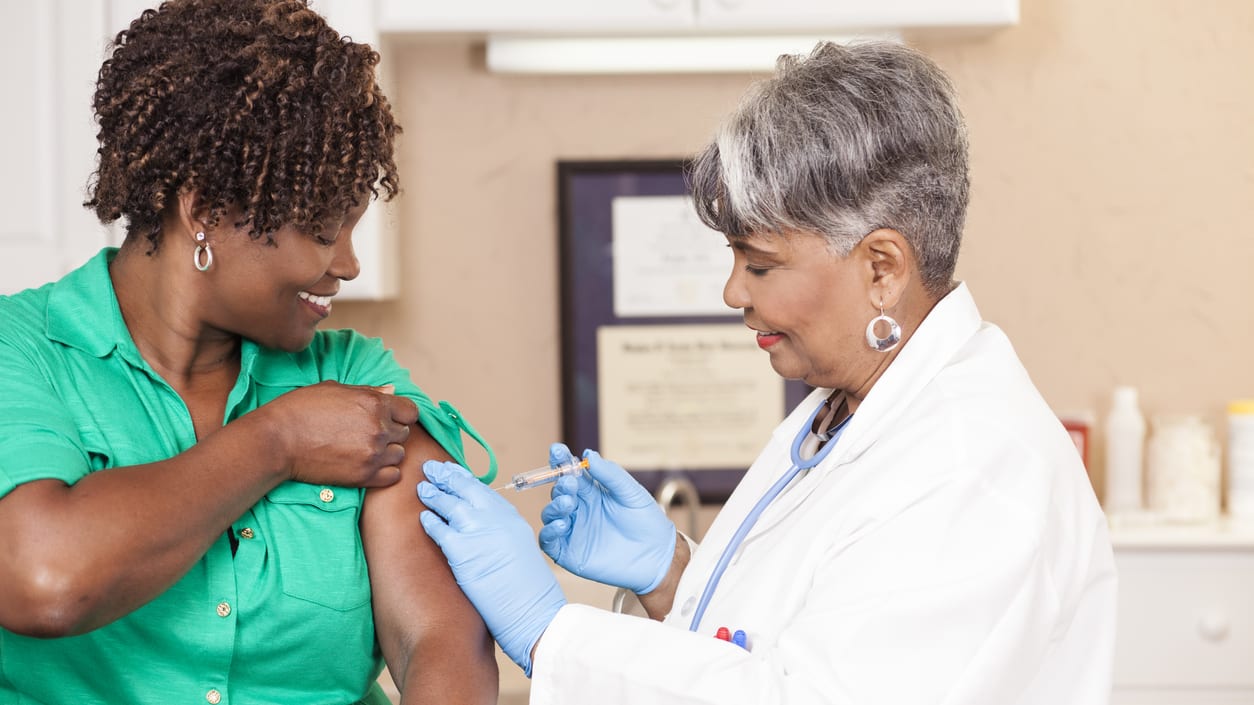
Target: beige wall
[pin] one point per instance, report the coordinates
(1109, 231)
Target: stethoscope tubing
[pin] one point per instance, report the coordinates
(798, 464)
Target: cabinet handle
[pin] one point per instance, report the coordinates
(1213, 627)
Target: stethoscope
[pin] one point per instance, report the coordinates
(830, 438)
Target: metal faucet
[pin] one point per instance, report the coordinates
(676, 487)
(679, 487)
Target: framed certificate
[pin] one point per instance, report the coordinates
(658, 374)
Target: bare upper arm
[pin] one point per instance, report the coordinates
(414, 593)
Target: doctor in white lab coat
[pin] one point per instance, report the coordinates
(919, 530)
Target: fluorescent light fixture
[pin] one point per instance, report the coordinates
(610, 55)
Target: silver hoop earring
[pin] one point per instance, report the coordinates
(889, 341)
(203, 252)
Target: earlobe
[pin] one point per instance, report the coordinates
(890, 257)
(188, 201)
(191, 212)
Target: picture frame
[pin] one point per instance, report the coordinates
(658, 374)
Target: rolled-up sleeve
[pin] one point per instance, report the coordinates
(39, 439)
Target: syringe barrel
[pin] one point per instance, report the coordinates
(544, 475)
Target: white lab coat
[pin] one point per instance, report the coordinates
(949, 551)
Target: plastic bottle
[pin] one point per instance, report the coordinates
(1125, 453)
(1241, 460)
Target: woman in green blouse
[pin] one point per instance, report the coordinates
(199, 496)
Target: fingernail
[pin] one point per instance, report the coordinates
(425, 489)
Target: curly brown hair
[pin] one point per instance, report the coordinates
(251, 104)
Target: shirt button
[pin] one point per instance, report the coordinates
(326, 495)
(224, 610)
(213, 697)
(689, 605)
(246, 533)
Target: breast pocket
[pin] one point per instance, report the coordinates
(315, 540)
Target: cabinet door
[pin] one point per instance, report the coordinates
(1186, 620)
(815, 15)
(52, 52)
(538, 16)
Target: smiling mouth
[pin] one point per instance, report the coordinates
(767, 338)
(323, 303)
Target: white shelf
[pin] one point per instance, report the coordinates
(1147, 533)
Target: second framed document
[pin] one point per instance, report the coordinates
(658, 374)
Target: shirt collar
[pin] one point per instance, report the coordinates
(946, 329)
(278, 368)
(83, 313)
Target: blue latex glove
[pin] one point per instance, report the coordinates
(602, 525)
(493, 556)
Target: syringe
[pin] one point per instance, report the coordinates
(543, 475)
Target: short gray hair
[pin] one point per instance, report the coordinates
(842, 142)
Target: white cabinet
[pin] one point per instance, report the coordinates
(51, 53)
(644, 36)
(374, 238)
(1186, 617)
(687, 16)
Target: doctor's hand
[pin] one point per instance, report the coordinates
(493, 556)
(604, 526)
